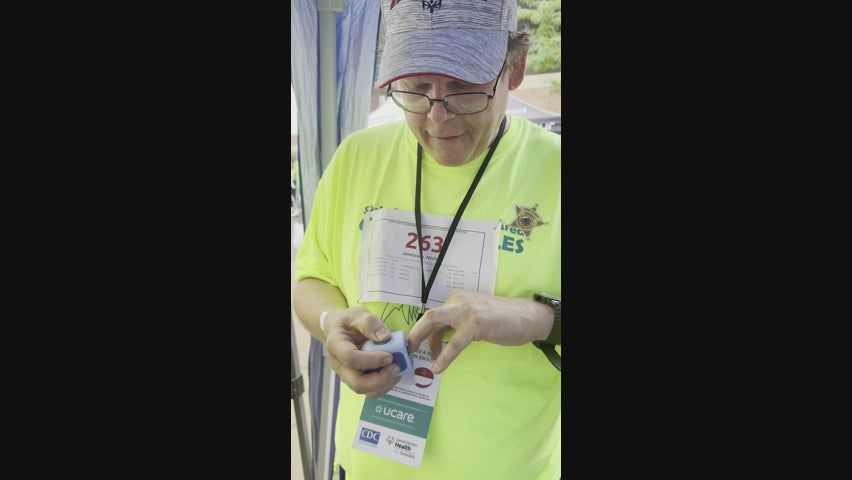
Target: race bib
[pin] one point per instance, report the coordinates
(389, 262)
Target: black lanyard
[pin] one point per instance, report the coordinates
(427, 287)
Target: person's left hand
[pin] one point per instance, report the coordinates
(479, 316)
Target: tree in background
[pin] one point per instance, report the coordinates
(543, 20)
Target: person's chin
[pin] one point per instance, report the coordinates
(448, 151)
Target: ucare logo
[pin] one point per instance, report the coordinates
(394, 413)
(370, 436)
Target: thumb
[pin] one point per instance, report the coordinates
(382, 333)
(376, 330)
(370, 326)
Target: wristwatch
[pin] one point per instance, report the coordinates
(555, 337)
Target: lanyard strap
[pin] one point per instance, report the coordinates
(427, 287)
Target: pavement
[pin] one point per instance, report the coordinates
(539, 91)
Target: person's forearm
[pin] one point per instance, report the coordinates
(311, 297)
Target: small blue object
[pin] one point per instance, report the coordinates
(396, 345)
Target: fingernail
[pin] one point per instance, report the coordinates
(436, 369)
(387, 360)
(395, 370)
(382, 333)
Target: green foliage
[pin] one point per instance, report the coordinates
(543, 20)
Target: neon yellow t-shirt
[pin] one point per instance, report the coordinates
(498, 409)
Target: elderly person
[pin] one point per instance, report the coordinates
(447, 227)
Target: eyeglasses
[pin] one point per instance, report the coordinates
(457, 103)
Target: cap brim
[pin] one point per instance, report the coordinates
(473, 56)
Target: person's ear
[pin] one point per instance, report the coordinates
(517, 75)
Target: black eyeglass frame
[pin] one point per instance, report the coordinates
(444, 100)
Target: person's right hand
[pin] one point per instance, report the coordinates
(346, 331)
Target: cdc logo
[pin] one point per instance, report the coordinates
(370, 436)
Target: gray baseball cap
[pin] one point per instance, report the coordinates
(462, 39)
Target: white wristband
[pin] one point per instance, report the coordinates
(322, 321)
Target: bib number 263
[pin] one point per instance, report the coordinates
(428, 243)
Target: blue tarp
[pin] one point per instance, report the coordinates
(304, 78)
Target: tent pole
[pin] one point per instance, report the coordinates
(328, 76)
(328, 144)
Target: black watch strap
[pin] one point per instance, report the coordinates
(550, 352)
(555, 337)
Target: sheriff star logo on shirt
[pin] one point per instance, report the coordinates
(527, 218)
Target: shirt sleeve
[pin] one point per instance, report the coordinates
(313, 256)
